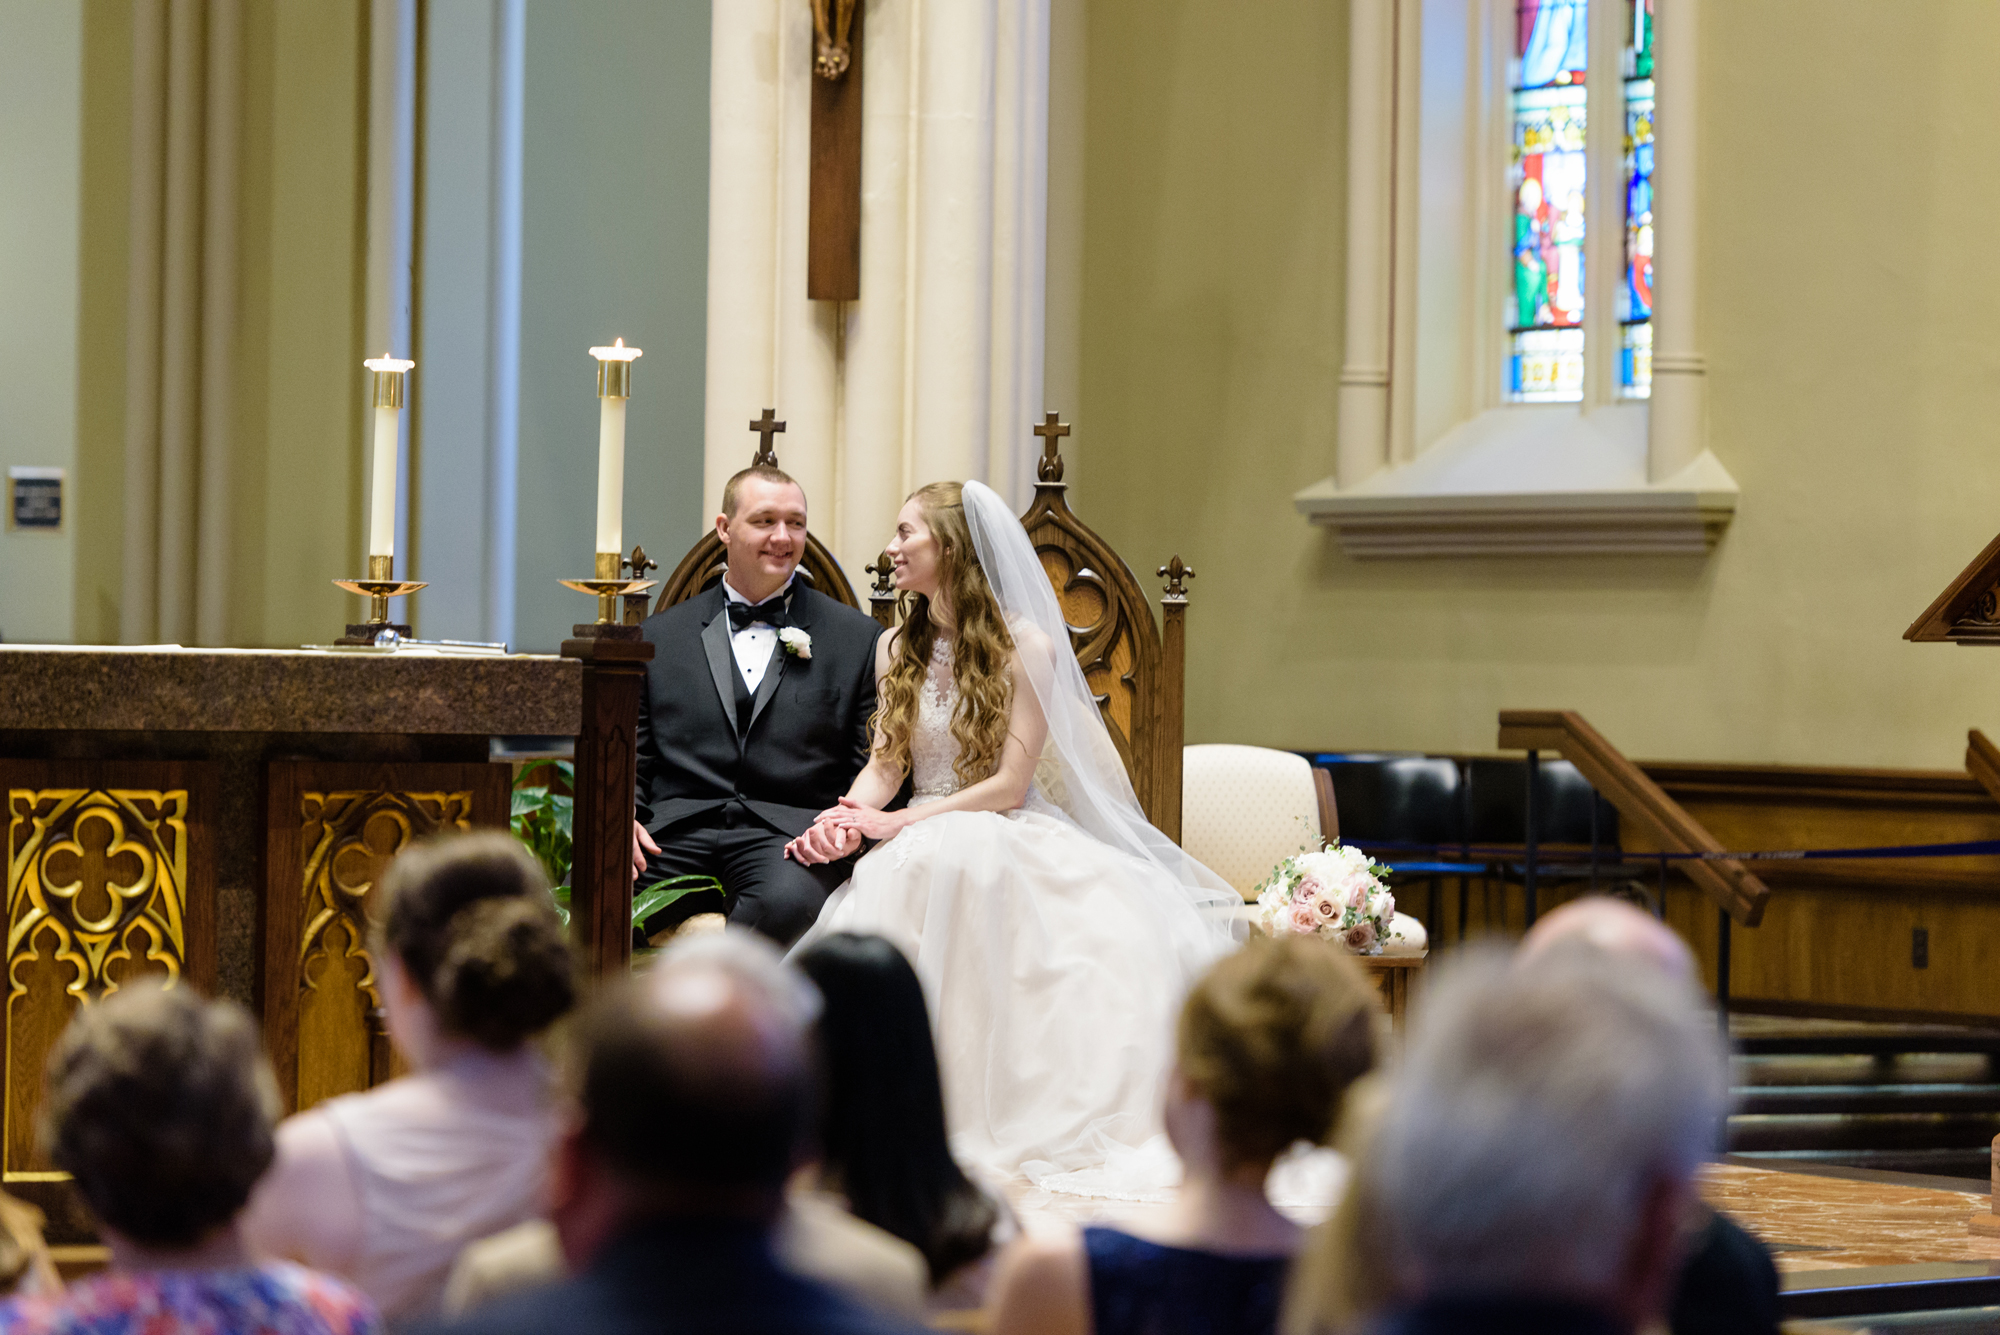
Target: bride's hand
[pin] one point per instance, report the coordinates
(824, 842)
(867, 821)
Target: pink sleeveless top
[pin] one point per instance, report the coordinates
(439, 1159)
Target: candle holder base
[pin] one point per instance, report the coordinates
(377, 629)
(605, 630)
(374, 633)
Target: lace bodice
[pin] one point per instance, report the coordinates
(933, 750)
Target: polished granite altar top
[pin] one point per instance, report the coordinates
(166, 688)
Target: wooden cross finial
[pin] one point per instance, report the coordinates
(1052, 430)
(766, 426)
(881, 569)
(1177, 573)
(639, 562)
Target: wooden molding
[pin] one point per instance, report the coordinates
(1982, 761)
(1968, 611)
(1732, 886)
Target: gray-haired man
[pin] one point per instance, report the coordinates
(1535, 1166)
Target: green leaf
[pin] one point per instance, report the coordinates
(664, 894)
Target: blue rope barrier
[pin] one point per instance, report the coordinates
(1460, 855)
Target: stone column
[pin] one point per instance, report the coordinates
(936, 371)
(1678, 426)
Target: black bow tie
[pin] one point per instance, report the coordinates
(773, 612)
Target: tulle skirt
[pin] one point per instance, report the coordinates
(1054, 967)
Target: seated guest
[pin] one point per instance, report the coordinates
(883, 1148)
(26, 1268)
(1534, 1166)
(814, 1235)
(1729, 1285)
(1269, 1041)
(694, 1090)
(384, 1187)
(160, 1105)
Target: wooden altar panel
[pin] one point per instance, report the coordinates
(110, 876)
(331, 830)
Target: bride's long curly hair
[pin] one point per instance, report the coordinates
(982, 649)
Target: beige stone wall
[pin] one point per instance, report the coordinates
(1849, 192)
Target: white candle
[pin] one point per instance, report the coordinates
(614, 388)
(388, 430)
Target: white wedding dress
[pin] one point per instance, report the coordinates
(1054, 965)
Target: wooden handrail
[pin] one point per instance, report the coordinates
(1732, 886)
(1982, 761)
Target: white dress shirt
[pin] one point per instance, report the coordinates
(755, 643)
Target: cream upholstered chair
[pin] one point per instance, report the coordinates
(1245, 809)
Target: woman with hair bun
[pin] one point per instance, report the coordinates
(384, 1187)
(1269, 1042)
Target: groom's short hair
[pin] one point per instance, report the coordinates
(766, 472)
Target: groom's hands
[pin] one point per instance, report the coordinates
(824, 842)
(642, 844)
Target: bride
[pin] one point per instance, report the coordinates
(1054, 929)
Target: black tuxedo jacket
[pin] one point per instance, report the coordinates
(808, 734)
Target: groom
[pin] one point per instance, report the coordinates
(754, 720)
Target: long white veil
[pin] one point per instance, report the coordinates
(1080, 771)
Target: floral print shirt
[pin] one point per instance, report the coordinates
(274, 1299)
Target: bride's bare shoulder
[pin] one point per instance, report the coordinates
(1031, 643)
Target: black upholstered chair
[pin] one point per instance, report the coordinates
(1571, 821)
(1404, 799)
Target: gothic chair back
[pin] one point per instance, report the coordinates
(1136, 668)
(705, 563)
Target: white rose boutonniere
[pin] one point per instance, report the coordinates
(797, 643)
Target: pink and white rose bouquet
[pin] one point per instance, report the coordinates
(1336, 893)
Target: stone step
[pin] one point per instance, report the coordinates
(1965, 1132)
(1857, 1099)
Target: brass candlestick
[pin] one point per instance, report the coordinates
(609, 586)
(380, 586)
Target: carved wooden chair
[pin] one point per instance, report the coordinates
(1136, 667)
(704, 564)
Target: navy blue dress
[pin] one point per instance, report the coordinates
(1141, 1288)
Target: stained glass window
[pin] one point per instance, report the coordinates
(1545, 317)
(1635, 292)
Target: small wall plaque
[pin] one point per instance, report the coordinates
(34, 498)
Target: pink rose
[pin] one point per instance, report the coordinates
(1358, 896)
(1360, 936)
(1309, 887)
(1388, 906)
(1301, 918)
(1326, 908)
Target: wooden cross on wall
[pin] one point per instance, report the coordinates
(833, 208)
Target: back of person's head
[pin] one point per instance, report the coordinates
(883, 1140)
(160, 1104)
(470, 918)
(1616, 927)
(1271, 1037)
(695, 1079)
(1536, 1110)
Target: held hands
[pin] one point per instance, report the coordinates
(824, 842)
(866, 822)
(838, 831)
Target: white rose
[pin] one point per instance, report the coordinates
(797, 643)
